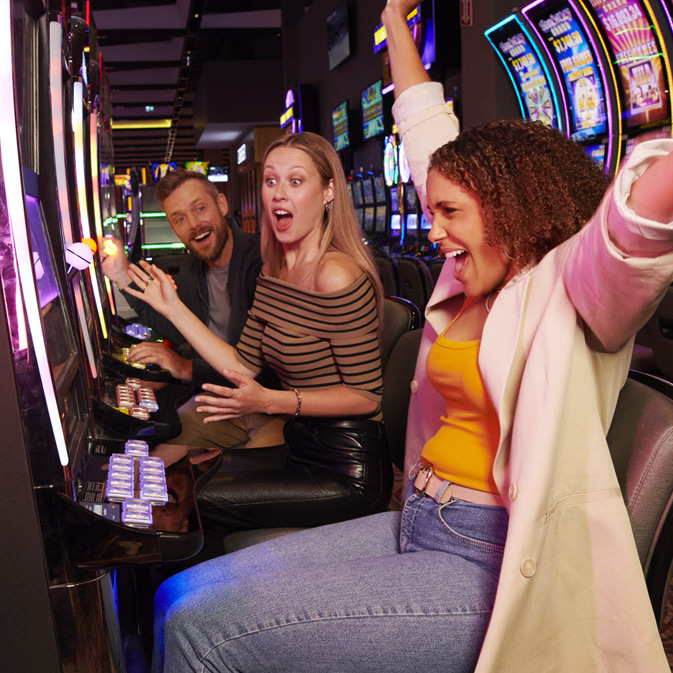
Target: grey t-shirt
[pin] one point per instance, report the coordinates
(220, 308)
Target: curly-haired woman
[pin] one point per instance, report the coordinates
(514, 550)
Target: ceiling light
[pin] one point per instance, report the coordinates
(145, 124)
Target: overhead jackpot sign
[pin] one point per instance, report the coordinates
(569, 48)
(526, 70)
(638, 58)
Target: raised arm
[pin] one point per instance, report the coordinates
(651, 194)
(159, 292)
(406, 66)
(621, 262)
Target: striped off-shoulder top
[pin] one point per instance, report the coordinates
(315, 340)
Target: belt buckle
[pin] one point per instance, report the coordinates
(429, 471)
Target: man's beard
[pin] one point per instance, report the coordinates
(221, 235)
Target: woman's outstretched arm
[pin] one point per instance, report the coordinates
(159, 293)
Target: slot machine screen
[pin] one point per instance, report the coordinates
(58, 336)
(368, 221)
(340, 137)
(372, 110)
(636, 52)
(526, 70)
(357, 193)
(381, 219)
(380, 189)
(571, 50)
(338, 35)
(597, 153)
(426, 225)
(360, 216)
(412, 222)
(368, 190)
(395, 199)
(395, 222)
(156, 229)
(412, 199)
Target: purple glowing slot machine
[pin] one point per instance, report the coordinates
(77, 505)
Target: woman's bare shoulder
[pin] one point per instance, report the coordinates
(337, 271)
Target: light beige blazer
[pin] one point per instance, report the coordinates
(554, 354)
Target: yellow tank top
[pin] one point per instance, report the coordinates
(464, 447)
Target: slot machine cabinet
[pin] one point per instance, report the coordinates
(586, 80)
(638, 35)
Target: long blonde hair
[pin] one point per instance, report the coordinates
(341, 230)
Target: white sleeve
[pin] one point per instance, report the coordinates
(424, 122)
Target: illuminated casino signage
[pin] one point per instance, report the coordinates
(638, 59)
(527, 70)
(391, 172)
(159, 170)
(381, 36)
(575, 60)
(288, 116)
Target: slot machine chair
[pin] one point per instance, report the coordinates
(416, 281)
(388, 274)
(654, 342)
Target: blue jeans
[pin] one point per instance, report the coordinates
(388, 592)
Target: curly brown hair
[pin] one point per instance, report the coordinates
(537, 188)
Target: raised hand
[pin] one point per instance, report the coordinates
(157, 288)
(246, 397)
(113, 261)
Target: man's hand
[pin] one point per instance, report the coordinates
(113, 261)
(157, 354)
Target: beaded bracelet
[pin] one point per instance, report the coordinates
(298, 394)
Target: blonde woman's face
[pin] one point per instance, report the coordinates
(458, 228)
(294, 196)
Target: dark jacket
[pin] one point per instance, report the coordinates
(245, 265)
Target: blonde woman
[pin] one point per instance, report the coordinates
(315, 322)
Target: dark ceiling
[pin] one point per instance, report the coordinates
(153, 53)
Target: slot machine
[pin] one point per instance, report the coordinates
(69, 519)
(369, 204)
(358, 198)
(638, 37)
(587, 83)
(381, 217)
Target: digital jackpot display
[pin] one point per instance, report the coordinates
(372, 110)
(340, 126)
(577, 65)
(527, 71)
(636, 52)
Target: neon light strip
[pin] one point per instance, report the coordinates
(93, 147)
(11, 170)
(161, 246)
(153, 214)
(58, 132)
(58, 126)
(110, 295)
(80, 177)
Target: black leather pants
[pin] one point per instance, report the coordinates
(328, 470)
